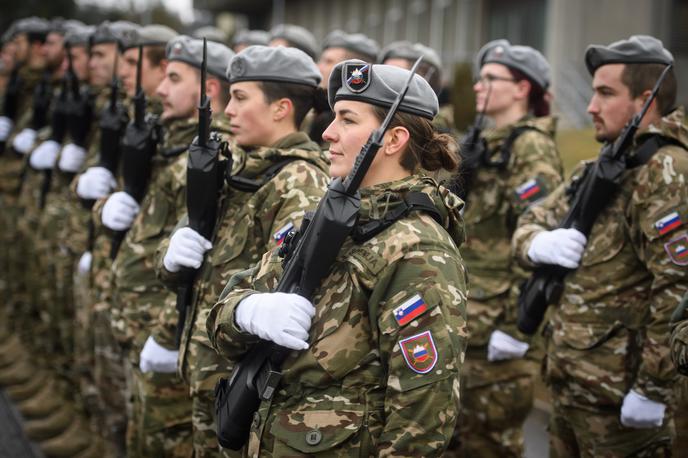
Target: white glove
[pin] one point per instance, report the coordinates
(638, 411)
(186, 249)
(156, 358)
(119, 211)
(72, 158)
(85, 263)
(94, 183)
(503, 346)
(279, 317)
(563, 247)
(45, 155)
(6, 125)
(23, 141)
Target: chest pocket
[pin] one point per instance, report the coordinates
(607, 238)
(486, 197)
(156, 213)
(231, 237)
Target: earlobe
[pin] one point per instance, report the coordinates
(282, 108)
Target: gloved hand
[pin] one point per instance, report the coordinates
(563, 247)
(6, 125)
(85, 263)
(72, 158)
(156, 358)
(119, 211)
(95, 183)
(638, 411)
(23, 141)
(279, 317)
(45, 155)
(186, 249)
(502, 346)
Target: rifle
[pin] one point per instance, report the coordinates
(139, 145)
(315, 248)
(80, 107)
(204, 178)
(42, 96)
(595, 190)
(11, 99)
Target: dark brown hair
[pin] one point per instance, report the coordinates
(537, 97)
(155, 54)
(301, 96)
(639, 78)
(426, 148)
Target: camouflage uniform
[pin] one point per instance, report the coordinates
(679, 346)
(160, 421)
(609, 332)
(498, 395)
(243, 232)
(359, 390)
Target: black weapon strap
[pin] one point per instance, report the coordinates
(505, 149)
(414, 201)
(244, 184)
(648, 148)
(174, 151)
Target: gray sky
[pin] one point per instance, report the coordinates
(182, 7)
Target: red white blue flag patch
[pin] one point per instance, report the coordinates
(280, 235)
(410, 310)
(668, 223)
(677, 250)
(529, 190)
(419, 352)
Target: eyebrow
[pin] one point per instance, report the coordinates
(346, 111)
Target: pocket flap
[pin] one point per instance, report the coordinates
(584, 336)
(314, 431)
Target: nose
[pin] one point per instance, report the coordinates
(161, 90)
(229, 109)
(330, 135)
(593, 107)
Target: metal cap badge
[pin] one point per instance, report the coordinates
(356, 76)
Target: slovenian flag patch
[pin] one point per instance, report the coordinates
(410, 310)
(668, 223)
(528, 190)
(280, 235)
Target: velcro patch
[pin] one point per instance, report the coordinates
(529, 191)
(668, 223)
(280, 235)
(677, 250)
(419, 352)
(409, 310)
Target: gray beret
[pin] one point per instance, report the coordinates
(280, 64)
(190, 51)
(380, 85)
(522, 58)
(354, 42)
(411, 52)
(638, 49)
(114, 32)
(298, 37)
(211, 34)
(32, 24)
(150, 35)
(79, 36)
(62, 26)
(251, 37)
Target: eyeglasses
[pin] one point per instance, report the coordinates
(489, 79)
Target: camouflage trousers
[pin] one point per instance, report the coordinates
(159, 422)
(597, 433)
(496, 398)
(680, 410)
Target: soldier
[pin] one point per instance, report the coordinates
(518, 165)
(160, 424)
(295, 36)
(380, 348)
(608, 361)
(679, 337)
(280, 175)
(245, 38)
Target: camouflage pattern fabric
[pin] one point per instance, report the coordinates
(498, 196)
(244, 231)
(609, 332)
(366, 385)
(679, 346)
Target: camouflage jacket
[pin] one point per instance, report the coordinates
(387, 342)
(245, 230)
(139, 295)
(679, 346)
(609, 332)
(498, 197)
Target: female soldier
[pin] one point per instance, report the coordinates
(383, 340)
(517, 165)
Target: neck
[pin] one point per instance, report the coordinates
(386, 175)
(509, 116)
(217, 105)
(280, 131)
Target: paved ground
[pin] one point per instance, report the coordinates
(13, 443)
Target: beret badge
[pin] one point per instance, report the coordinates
(357, 76)
(238, 67)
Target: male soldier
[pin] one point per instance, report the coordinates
(294, 36)
(608, 364)
(245, 38)
(281, 175)
(403, 54)
(160, 424)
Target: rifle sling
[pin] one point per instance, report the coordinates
(414, 201)
(174, 151)
(252, 185)
(648, 148)
(505, 149)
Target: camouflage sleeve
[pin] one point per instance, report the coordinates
(658, 213)
(679, 346)
(97, 212)
(170, 279)
(423, 334)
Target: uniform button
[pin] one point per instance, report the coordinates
(313, 437)
(256, 421)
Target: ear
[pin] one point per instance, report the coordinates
(212, 88)
(163, 65)
(396, 140)
(523, 89)
(282, 109)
